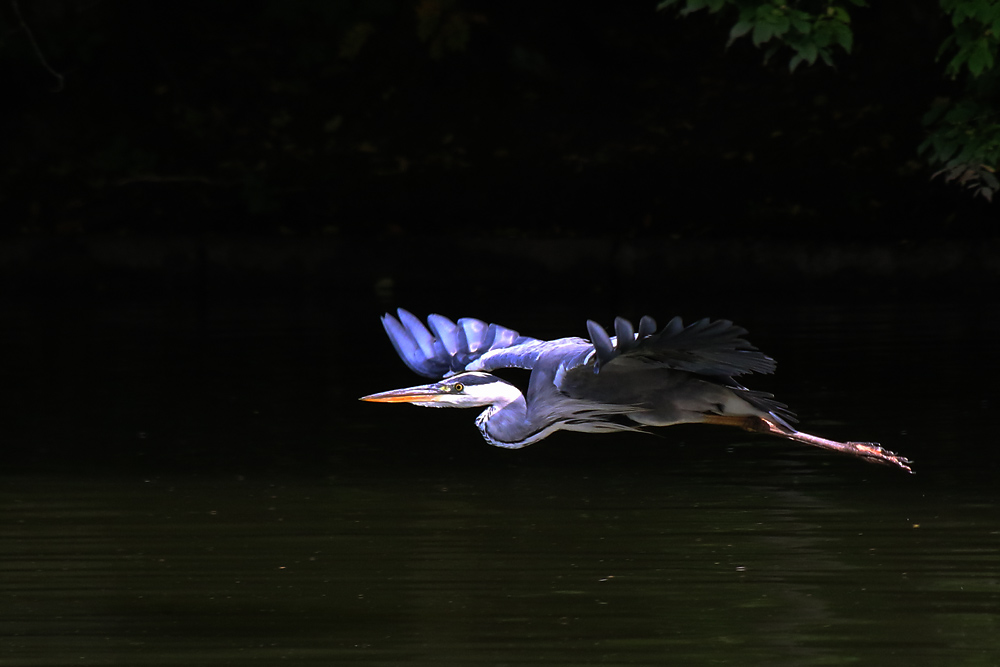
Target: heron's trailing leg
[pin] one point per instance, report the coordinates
(870, 451)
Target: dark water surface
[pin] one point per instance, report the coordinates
(387, 535)
(614, 567)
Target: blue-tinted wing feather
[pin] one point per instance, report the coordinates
(445, 331)
(504, 337)
(452, 347)
(407, 333)
(475, 332)
(423, 338)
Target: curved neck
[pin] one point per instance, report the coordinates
(505, 423)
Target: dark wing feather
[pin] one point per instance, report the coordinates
(647, 326)
(713, 348)
(603, 344)
(450, 348)
(624, 334)
(707, 347)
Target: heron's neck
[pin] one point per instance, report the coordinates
(505, 423)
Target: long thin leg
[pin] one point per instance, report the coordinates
(870, 451)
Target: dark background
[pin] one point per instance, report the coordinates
(203, 220)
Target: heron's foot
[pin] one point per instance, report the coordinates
(869, 451)
(876, 453)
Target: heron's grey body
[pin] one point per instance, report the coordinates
(624, 382)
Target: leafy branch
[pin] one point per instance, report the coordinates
(964, 134)
(812, 30)
(976, 36)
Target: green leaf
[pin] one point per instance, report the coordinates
(842, 35)
(955, 66)
(981, 58)
(823, 34)
(809, 51)
(800, 21)
(693, 6)
(840, 14)
(740, 29)
(945, 149)
(946, 45)
(781, 25)
(960, 113)
(960, 160)
(794, 62)
(762, 32)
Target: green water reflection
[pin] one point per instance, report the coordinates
(511, 566)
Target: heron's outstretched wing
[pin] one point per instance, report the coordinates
(444, 347)
(715, 348)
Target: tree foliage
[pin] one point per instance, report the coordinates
(812, 33)
(963, 132)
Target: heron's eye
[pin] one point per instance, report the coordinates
(458, 387)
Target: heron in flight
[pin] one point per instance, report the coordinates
(634, 379)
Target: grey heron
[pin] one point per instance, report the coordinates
(634, 379)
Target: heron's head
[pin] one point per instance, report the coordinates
(463, 390)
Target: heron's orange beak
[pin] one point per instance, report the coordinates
(426, 393)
